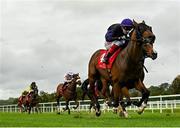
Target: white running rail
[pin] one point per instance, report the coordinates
(160, 103)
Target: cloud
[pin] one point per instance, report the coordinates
(42, 40)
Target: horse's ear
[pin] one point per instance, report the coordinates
(143, 22)
(135, 23)
(77, 74)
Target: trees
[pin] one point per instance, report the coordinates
(46, 97)
(175, 86)
(162, 89)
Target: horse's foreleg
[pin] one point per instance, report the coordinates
(37, 108)
(67, 107)
(29, 109)
(21, 109)
(90, 107)
(77, 104)
(143, 101)
(145, 96)
(58, 105)
(125, 92)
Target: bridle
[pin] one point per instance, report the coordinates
(76, 79)
(139, 30)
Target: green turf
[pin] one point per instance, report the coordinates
(86, 119)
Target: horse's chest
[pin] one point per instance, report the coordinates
(134, 72)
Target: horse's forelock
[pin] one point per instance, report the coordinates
(142, 27)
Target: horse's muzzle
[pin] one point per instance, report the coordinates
(154, 55)
(78, 81)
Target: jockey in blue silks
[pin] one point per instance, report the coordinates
(116, 37)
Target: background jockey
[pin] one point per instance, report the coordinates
(68, 77)
(116, 37)
(30, 89)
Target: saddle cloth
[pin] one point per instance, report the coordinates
(101, 64)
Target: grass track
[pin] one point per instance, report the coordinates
(84, 119)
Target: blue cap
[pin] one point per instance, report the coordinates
(127, 22)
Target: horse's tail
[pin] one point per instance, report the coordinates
(84, 88)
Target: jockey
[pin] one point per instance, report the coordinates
(68, 77)
(30, 89)
(116, 37)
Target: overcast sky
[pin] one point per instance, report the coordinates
(41, 40)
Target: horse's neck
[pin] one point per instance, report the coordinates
(132, 54)
(72, 86)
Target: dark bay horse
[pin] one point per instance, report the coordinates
(127, 71)
(69, 93)
(29, 101)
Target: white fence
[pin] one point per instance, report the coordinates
(159, 103)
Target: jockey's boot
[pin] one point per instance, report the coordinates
(109, 53)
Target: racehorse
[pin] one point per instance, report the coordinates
(127, 70)
(69, 93)
(29, 101)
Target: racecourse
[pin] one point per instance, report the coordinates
(85, 119)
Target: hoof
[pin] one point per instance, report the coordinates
(75, 108)
(141, 109)
(115, 110)
(58, 113)
(98, 113)
(139, 112)
(123, 114)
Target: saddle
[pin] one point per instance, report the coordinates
(101, 64)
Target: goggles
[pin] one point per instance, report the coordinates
(127, 28)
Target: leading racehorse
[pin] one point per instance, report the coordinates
(127, 70)
(69, 93)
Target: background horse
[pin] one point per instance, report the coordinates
(29, 101)
(127, 71)
(69, 93)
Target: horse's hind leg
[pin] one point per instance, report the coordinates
(94, 97)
